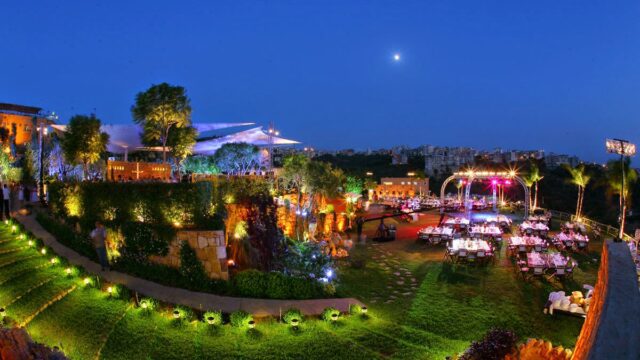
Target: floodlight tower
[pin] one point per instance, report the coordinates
(623, 148)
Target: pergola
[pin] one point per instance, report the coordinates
(494, 176)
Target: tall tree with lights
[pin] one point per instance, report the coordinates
(159, 109)
(83, 142)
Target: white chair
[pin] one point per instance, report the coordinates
(538, 271)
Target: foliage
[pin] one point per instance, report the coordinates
(240, 318)
(29, 165)
(614, 177)
(580, 178)
(212, 317)
(355, 309)
(201, 165)
(292, 314)
(8, 173)
(306, 259)
(354, 185)
(181, 141)
(274, 285)
(148, 304)
(159, 109)
(83, 142)
(184, 313)
(190, 266)
(65, 235)
(495, 345)
(237, 159)
(329, 314)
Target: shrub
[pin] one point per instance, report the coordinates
(240, 318)
(495, 345)
(251, 283)
(355, 309)
(212, 317)
(190, 266)
(292, 314)
(329, 314)
(148, 304)
(182, 313)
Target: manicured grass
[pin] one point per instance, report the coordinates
(445, 308)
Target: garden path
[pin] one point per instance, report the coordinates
(196, 300)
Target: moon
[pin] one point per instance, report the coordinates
(396, 57)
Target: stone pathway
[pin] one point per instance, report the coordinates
(401, 282)
(196, 300)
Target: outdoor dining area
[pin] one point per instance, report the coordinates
(549, 265)
(436, 234)
(538, 228)
(469, 252)
(523, 244)
(567, 240)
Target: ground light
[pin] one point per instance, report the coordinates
(364, 309)
(176, 314)
(30, 242)
(13, 228)
(294, 323)
(144, 305)
(43, 251)
(54, 261)
(211, 320)
(334, 317)
(251, 324)
(110, 290)
(21, 236)
(3, 312)
(87, 281)
(67, 271)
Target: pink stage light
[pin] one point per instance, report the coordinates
(494, 182)
(507, 182)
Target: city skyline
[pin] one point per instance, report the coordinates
(479, 75)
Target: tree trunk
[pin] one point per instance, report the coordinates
(535, 199)
(85, 170)
(578, 202)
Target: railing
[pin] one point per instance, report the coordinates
(602, 229)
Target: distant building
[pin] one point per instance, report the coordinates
(399, 156)
(556, 160)
(440, 161)
(22, 122)
(402, 187)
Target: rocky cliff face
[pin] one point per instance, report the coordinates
(16, 344)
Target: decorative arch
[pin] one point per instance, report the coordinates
(470, 175)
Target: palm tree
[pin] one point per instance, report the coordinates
(580, 178)
(614, 179)
(534, 177)
(528, 181)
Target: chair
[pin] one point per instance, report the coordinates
(434, 240)
(528, 231)
(449, 254)
(560, 272)
(522, 248)
(462, 255)
(537, 247)
(538, 271)
(524, 271)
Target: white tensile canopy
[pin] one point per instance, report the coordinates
(126, 138)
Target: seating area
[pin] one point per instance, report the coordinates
(469, 251)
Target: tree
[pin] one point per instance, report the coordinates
(181, 140)
(237, 158)
(532, 180)
(294, 173)
(8, 173)
(580, 178)
(201, 165)
(159, 109)
(528, 181)
(614, 180)
(83, 142)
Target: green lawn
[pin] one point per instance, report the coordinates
(437, 311)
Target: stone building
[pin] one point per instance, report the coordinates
(23, 122)
(402, 187)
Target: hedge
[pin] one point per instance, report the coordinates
(273, 285)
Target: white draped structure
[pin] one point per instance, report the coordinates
(126, 138)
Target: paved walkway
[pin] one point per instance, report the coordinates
(196, 300)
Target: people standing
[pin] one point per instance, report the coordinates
(21, 195)
(5, 201)
(99, 237)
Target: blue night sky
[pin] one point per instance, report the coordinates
(556, 75)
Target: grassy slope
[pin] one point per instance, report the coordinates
(450, 309)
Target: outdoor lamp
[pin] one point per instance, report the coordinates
(68, 271)
(334, 317)
(144, 305)
(14, 228)
(110, 290)
(21, 236)
(87, 281)
(30, 243)
(252, 324)
(176, 314)
(3, 312)
(294, 322)
(53, 260)
(43, 251)
(364, 309)
(211, 320)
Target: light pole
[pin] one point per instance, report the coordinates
(272, 132)
(623, 148)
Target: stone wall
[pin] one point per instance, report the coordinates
(16, 344)
(611, 328)
(209, 246)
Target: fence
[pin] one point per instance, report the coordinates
(602, 229)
